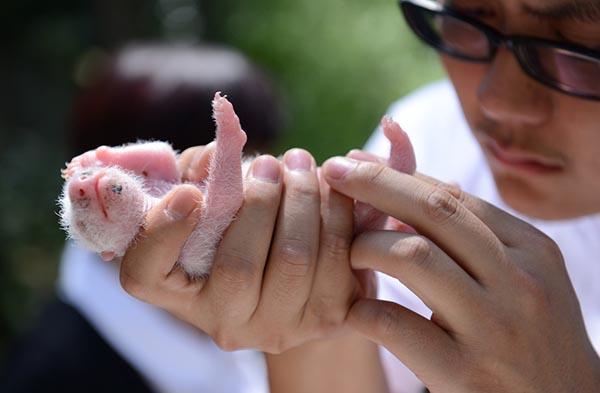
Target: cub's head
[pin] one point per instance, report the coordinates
(103, 209)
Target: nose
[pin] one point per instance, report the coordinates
(507, 95)
(83, 185)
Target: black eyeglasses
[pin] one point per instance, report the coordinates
(568, 68)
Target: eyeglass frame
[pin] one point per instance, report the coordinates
(496, 40)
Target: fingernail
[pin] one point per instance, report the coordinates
(181, 204)
(364, 156)
(338, 167)
(298, 160)
(266, 168)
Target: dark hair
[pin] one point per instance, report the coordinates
(164, 92)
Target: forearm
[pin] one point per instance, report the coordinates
(348, 364)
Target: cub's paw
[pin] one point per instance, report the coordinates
(151, 160)
(103, 156)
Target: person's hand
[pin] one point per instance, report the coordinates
(193, 163)
(281, 275)
(505, 316)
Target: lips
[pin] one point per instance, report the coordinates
(514, 159)
(99, 197)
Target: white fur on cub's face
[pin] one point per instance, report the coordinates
(105, 215)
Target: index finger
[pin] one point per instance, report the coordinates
(485, 211)
(431, 210)
(505, 225)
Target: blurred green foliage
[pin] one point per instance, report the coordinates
(338, 63)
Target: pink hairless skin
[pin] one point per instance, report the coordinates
(108, 191)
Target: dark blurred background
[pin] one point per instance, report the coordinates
(337, 63)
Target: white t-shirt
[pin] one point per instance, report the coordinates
(446, 150)
(170, 355)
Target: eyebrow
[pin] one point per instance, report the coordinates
(578, 10)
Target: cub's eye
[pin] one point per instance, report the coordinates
(117, 189)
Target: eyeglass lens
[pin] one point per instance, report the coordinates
(568, 71)
(457, 37)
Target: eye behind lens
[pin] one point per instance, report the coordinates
(567, 71)
(448, 34)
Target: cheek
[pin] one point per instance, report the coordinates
(466, 78)
(577, 136)
(575, 132)
(584, 151)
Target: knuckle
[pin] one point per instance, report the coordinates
(387, 323)
(440, 205)
(133, 286)
(335, 246)
(275, 343)
(533, 282)
(226, 341)
(535, 240)
(295, 257)
(534, 296)
(550, 248)
(416, 249)
(455, 191)
(375, 172)
(235, 268)
(305, 192)
(327, 312)
(261, 199)
(541, 249)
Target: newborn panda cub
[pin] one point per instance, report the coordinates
(108, 191)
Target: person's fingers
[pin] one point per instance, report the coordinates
(425, 269)
(234, 284)
(485, 211)
(185, 158)
(153, 257)
(291, 265)
(329, 302)
(361, 155)
(194, 163)
(421, 345)
(506, 226)
(431, 210)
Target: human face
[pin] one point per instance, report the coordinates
(543, 146)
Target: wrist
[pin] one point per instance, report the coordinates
(348, 363)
